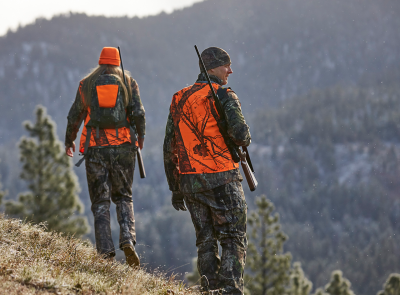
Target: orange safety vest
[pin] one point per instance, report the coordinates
(108, 137)
(200, 145)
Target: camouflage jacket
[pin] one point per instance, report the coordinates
(238, 130)
(77, 114)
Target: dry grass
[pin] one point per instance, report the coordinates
(33, 261)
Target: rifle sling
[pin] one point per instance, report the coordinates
(221, 92)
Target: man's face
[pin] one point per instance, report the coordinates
(222, 72)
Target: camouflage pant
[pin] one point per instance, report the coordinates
(220, 215)
(109, 173)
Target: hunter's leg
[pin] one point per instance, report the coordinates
(230, 226)
(208, 261)
(99, 191)
(122, 168)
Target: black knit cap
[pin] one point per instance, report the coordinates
(214, 57)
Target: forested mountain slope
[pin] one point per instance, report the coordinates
(329, 160)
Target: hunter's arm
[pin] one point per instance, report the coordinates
(136, 110)
(238, 130)
(171, 156)
(76, 114)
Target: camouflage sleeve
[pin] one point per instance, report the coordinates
(76, 115)
(171, 156)
(238, 130)
(136, 110)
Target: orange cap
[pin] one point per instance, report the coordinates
(109, 56)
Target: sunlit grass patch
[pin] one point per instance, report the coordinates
(49, 261)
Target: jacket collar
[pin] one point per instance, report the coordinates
(202, 79)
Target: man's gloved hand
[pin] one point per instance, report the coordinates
(177, 201)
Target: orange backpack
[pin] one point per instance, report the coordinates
(106, 111)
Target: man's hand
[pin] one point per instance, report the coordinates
(141, 142)
(68, 150)
(177, 201)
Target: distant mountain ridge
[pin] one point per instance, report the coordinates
(279, 49)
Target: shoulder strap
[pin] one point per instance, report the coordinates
(222, 91)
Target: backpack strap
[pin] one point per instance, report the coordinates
(222, 91)
(87, 142)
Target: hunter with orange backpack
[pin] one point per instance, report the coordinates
(108, 102)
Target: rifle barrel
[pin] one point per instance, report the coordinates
(142, 172)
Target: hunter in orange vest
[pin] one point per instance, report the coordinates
(201, 173)
(111, 109)
(201, 145)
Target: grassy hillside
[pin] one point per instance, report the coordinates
(33, 261)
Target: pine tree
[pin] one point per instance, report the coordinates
(392, 285)
(53, 196)
(338, 285)
(299, 284)
(269, 266)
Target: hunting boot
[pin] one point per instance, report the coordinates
(205, 286)
(109, 257)
(213, 284)
(131, 256)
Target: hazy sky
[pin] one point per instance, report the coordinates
(15, 12)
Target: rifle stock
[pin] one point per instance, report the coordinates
(248, 160)
(248, 173)
(236, 152)
(142, 172)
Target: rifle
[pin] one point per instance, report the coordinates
(237, 154)
(133, 134)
